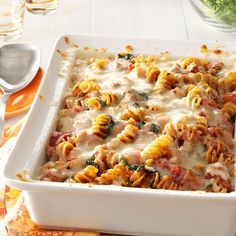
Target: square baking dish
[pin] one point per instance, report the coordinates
(110, 209)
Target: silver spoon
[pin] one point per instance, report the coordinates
(19, 64)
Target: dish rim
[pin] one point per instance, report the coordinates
(69, 187)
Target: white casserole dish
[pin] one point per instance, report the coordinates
(110, 208)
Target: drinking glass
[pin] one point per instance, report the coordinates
(11, 19)
(42, 7)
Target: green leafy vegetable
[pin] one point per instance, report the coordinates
(155, 128)
(108, 127)
(91, 162)
(126, 56)
(209, 186)
(142, 94)
(204, 147)
(222, 10)
(137, 167)
(140, 124)
(103, 104)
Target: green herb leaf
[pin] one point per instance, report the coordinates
(129, 56)
(126, 56)
(91, 162)
(140, 124)
(131, 167)
(204, 147)
(108, 127)
(209, 186)
(136, 104)
(103, 104)
(143, 94)
(136, 167)
(155, 128)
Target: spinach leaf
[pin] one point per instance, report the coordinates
(140, 124)
(155, 128)
(126, 56)
(91, 162)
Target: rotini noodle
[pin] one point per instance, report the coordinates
(152, 74)
(229, 108)
(63, 149)
(128, 135)
(160, 147)
(102, 125)
(87, 175)
(137, 114)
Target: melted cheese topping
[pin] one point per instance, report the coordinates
(156, 104)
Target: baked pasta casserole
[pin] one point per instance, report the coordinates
(146, 121)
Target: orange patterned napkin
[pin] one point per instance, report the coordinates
(14, 216)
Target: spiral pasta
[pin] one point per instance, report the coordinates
(63, 149)
(138, 114)
(196, 63)
(95, 103)
(87, 175)
(229, 83)
(110, 98)
(200, 126)
(144, 179)
(215, 152)
(194, 97)
(81, 88)
(152, 74)
(105, 158)
(160, 147)
(176, 131)
(166, 80)
(167, 183)
(119, 175)
(102, 125)
(128, 135)
(101, 63)
(207, 78)
(76, 91)
(207, 89)
(229, 108)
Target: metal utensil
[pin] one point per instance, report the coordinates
(19, 64)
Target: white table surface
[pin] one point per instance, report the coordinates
(168, 19)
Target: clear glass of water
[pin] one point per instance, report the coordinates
(11, 19)
(42, 7)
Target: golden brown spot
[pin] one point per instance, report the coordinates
(217, 51)
(129, 48)
(62, 54)
(203, 48)
(103, 50)
(67, 40)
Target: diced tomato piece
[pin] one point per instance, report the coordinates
(201, 114)
(53, 139)
(204, 101)
(231, 97)
(118, 65)
(191, 181)
(78, 109)
(175, 170)
(129, 67)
